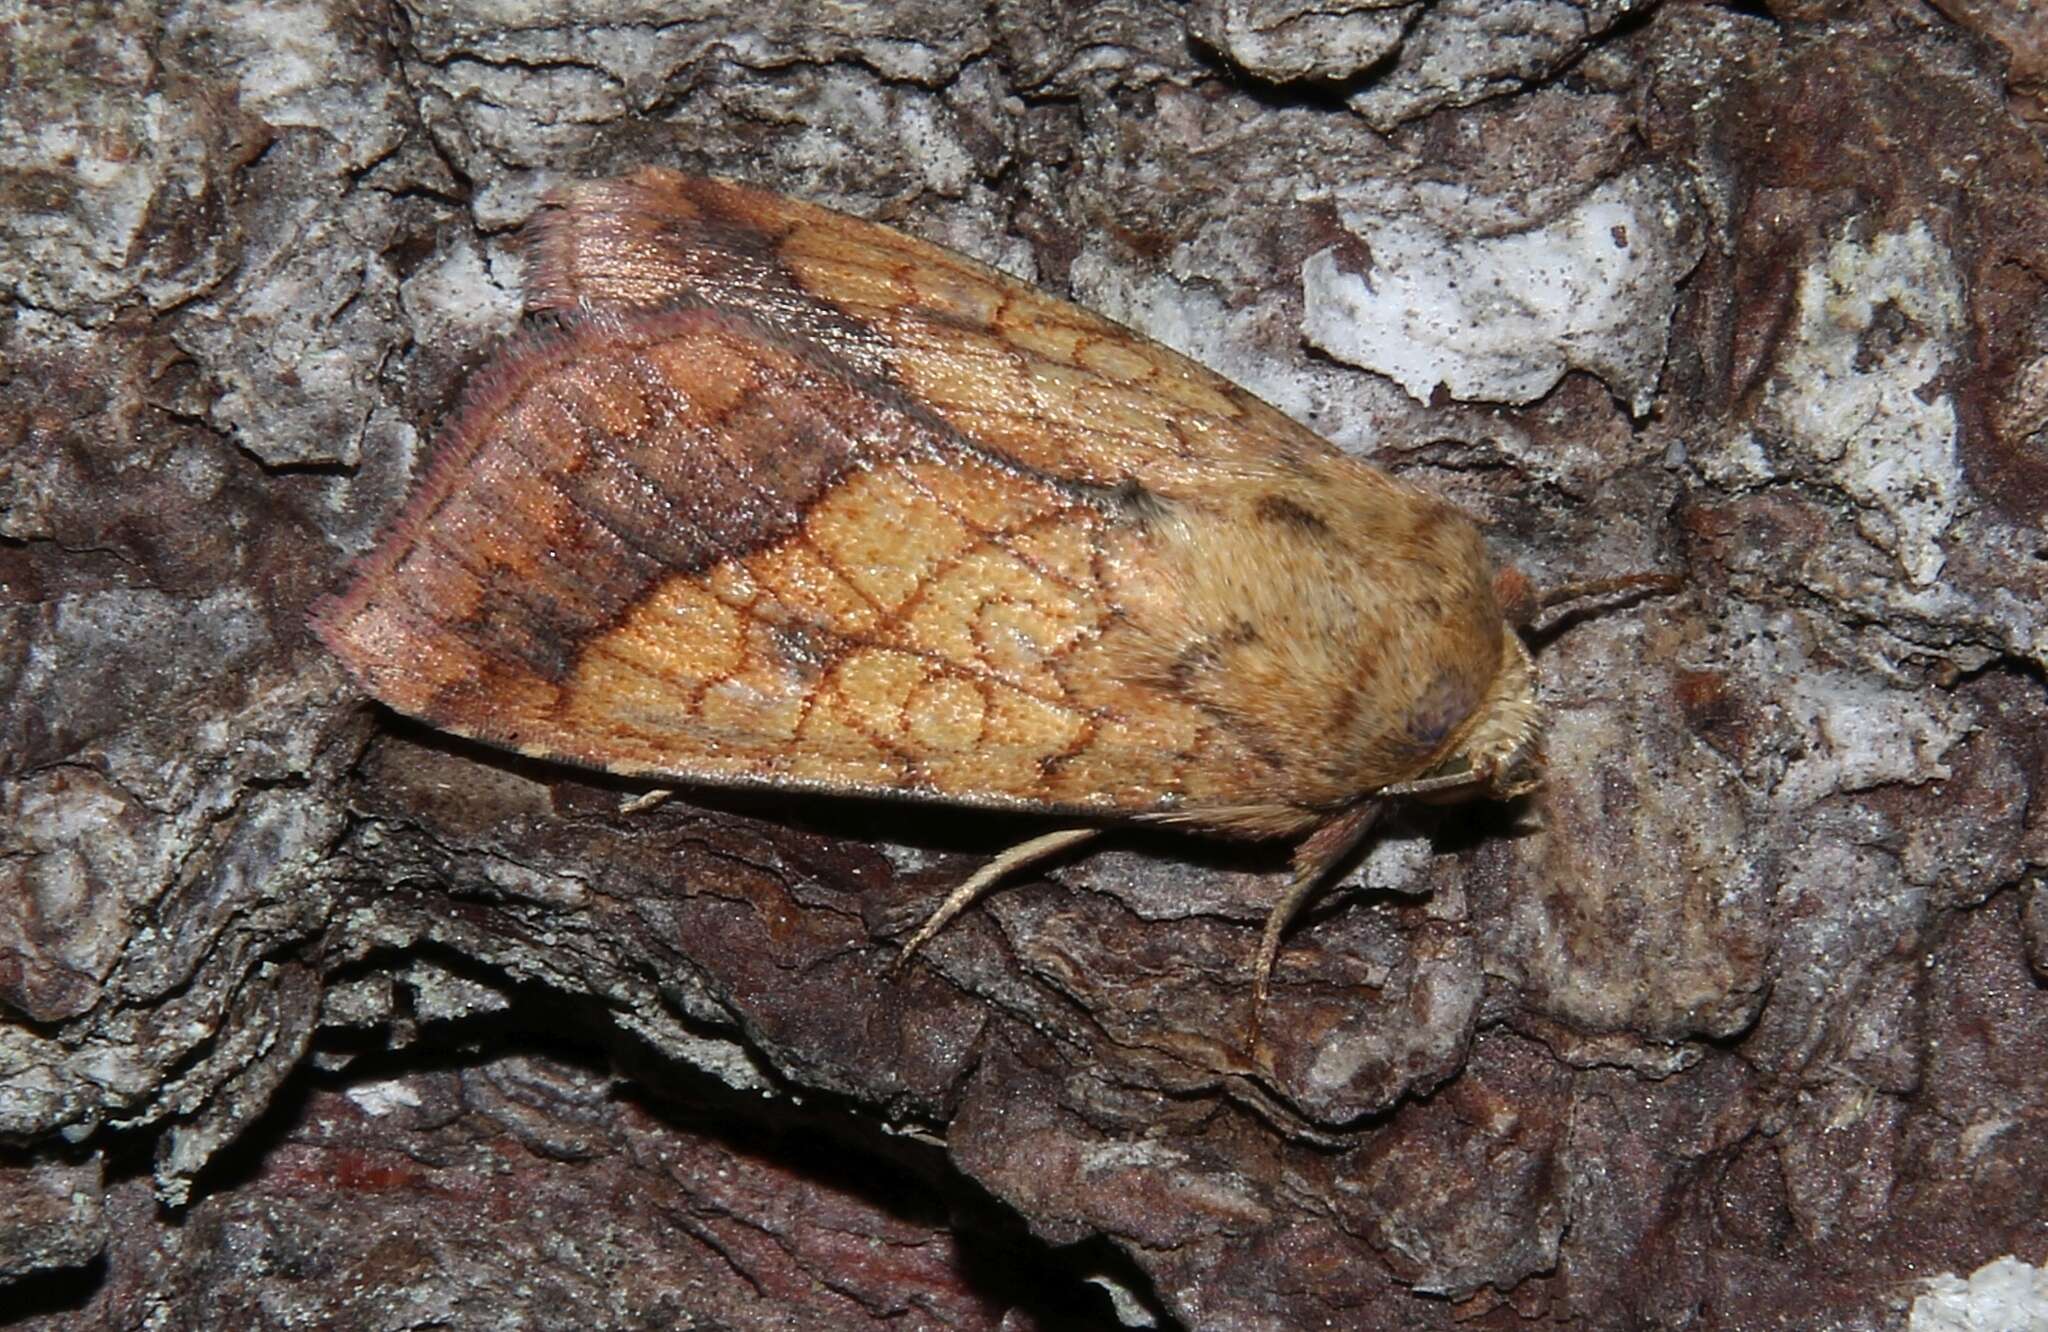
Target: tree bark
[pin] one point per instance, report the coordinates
(309, 1015)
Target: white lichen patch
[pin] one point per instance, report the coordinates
(1860, 734)
(1398, 861)
(1842, 729)
(122, 153)
(1237, 344)
(2004, 1295)
(1302, 39)
(1458, 52)
(384, 1096)
(299, 344)
(1858, 398)
(1498, 315)
(850, 115)
(294, 67)
(463, 294)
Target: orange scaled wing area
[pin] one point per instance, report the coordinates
(1021, 372)
(687, 541)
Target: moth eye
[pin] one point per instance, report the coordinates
(1443, 707)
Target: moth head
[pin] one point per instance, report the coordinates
(1505, 749)
(1501, 754)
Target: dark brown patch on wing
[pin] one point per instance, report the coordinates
(592, 462)
(654, 236)
(1283, 512)
(1204, 656)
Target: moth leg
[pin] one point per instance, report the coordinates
(646, 800)
(1429, 786)
(1016, 858)
(1317, 855)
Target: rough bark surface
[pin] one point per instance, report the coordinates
(310, 1017)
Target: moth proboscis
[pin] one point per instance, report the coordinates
(767, 495)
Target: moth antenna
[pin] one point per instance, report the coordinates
(1318, 854)
(1595, 594)
(979, 882)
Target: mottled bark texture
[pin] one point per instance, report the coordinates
(312, 1017)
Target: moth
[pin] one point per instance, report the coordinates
(765, 495)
